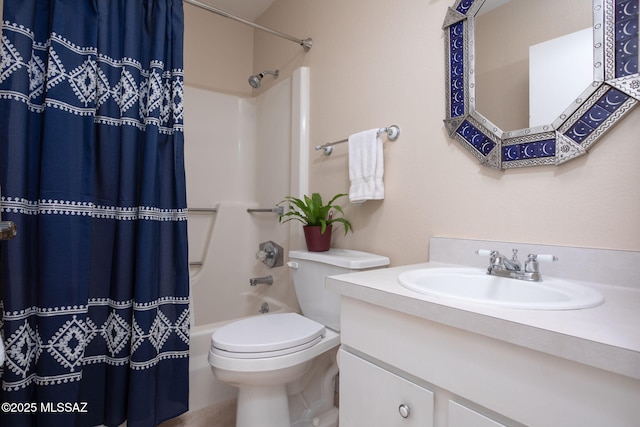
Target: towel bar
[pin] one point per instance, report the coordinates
(392, 132)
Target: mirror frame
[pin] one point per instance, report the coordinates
(614, 92)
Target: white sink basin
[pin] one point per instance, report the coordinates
(475, 285)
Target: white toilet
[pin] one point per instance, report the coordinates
(262, 354)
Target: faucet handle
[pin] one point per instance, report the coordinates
(484, 252)
(496, 261)
(262, 255)
(531, 266)
(544, 257)
(270, 253)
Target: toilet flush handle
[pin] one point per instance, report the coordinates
(292, 264)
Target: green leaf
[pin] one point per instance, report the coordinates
(312, 211)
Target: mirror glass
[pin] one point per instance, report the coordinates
(537, 82)
(531, 53)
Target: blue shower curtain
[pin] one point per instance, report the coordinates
(94, 288)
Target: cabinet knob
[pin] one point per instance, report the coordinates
(404, 410)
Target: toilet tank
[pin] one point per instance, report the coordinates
(309, 270)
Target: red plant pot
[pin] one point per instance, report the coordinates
(316, 241)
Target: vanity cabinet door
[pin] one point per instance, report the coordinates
(461, 416)
(374, 397)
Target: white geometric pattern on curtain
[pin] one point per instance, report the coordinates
(91, 85)
(94, 289)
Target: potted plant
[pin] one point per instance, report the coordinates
(317, 218)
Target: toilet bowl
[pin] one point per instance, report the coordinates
(284, 347)
(262, 354)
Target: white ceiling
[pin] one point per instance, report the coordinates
(247, 9)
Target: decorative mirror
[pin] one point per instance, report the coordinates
(613, 91)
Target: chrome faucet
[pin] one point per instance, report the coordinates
(264, 308)
(500, 262)
(500, 265)
(266, 280)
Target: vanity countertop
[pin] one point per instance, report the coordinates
(605, 337)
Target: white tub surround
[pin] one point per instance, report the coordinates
(233, 144)
(507, 366)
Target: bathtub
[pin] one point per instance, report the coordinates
(204, 389)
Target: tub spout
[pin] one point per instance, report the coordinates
(266, 280)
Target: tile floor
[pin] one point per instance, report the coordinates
(220, 415)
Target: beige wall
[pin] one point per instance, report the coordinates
(376, 63)
(218, 52)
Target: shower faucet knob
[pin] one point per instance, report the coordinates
(270, 254)
(262, 255)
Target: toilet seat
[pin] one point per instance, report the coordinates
(267, 335)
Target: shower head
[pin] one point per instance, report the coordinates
(255, 80)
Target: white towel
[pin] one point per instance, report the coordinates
(366, 167)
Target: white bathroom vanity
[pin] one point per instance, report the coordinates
(409, 359)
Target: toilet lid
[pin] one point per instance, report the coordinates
(267, 335)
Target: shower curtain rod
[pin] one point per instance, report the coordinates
(306, 43)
